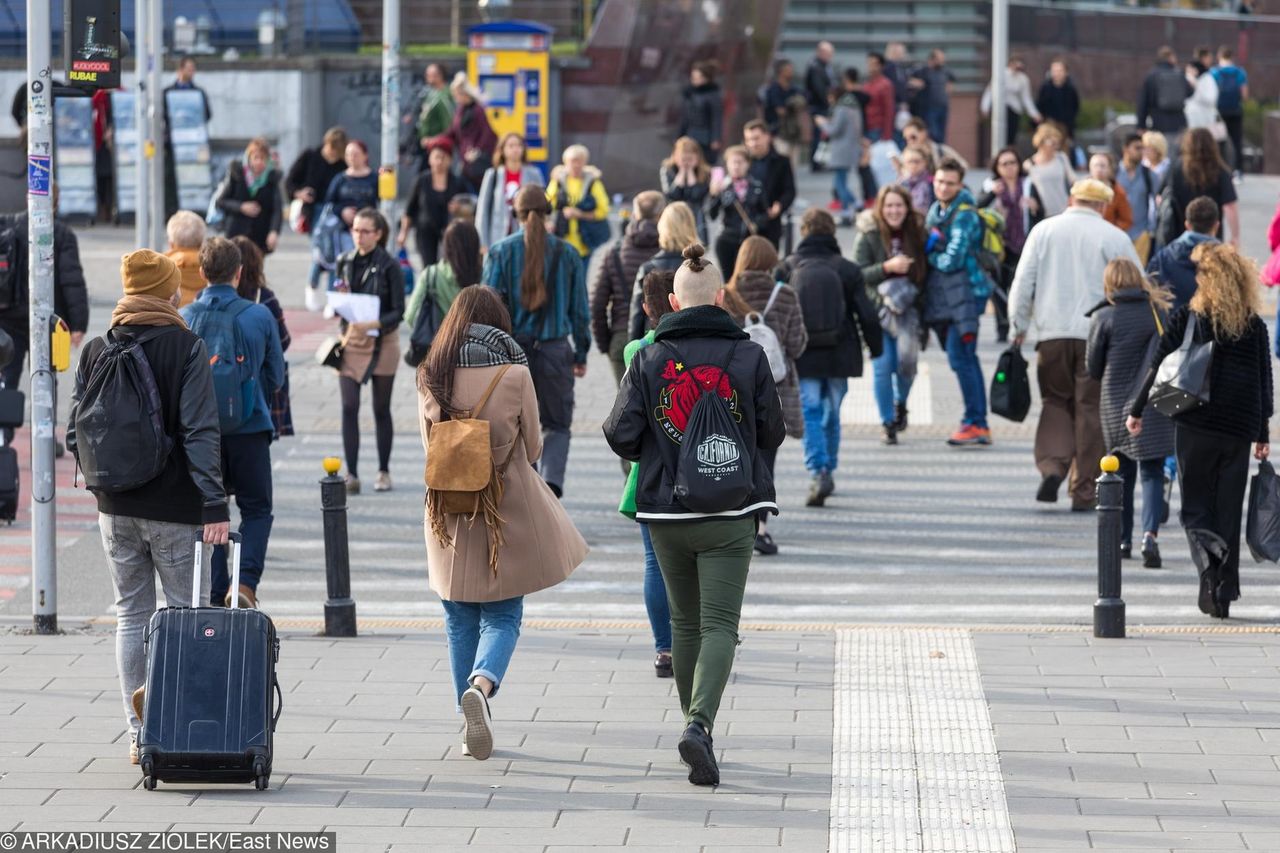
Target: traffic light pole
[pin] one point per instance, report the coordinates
(40, 248)
(142, 92)
(155, 128)
(390, 153)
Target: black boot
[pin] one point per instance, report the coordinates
(697, 752)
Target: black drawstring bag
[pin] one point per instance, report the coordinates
(1011, 386)
(1262, 529)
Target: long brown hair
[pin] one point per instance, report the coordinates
(1201, 162)
(687, 144)
(756, 255)
(913, 239)
(476, 304)
(461, 251)
(498, 158)
(251, 275)
(532, 208)
(1226, 289)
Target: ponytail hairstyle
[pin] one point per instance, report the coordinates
(532, 209)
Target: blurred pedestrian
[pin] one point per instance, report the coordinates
(470, 132)
(253, 288)
(1198, 171)
(1155, 154)
(307, 185)
(676, 231)
(1059, 280)
(1201, 109)
(519, 540)
(880, 100)
(580, 203)
(615, 279)
(752, 295)
(438, 285)
(685, 176)
(1140, 186)
(843, 133)
(820, 78)
(1172, 266)
(540, 278)
(1212, 440)
(776, 176)
(1118, 212)
(1015, 199)
(738, 201)
(1164, 92)
(916, 177)
(249, 197)
(431, 206)
(434, 111)
(784, 109)
(370, 348)
(889, 249)
(1058, 101)
(1017, 99)
(183, 81)
(933, 83)
(1233, 92)
(702, 110)
(511, 170)
(185, 232)
(1049, 170)
(1120, 334)
(916, 132)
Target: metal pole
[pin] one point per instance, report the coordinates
(156, 129)
(387, 181)
(455, 23)
(141, 209)
(999, 59)
(339, 610)
(1108, 611)
(40, 252)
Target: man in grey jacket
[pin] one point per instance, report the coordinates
(151, 530)
(1059, 279)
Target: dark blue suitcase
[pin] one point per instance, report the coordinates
(211, 676)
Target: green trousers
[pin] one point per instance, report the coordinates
(704, 564)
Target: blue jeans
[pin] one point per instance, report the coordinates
(655, 595)
(962, 355)
(891, 387)
(935, 118)
(820, 401)
(482, 638)
(1152, 475)
(840, 186)
(246, 473)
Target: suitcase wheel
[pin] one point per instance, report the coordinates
(148, 774)
(262, 778)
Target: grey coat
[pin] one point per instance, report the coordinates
(844, 134)
(493, 212)
(1120, 338)
(787, 322)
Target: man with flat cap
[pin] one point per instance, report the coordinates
(1059, 280)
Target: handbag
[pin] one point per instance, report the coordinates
(1262, 529)
(329, 353)
(1011, 386)
(1182, 382)
(752, 228)
(298, 218)
(822, 154)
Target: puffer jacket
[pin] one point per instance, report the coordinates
(615, 279)
(1172, 266)
(787, 322)
(657, 395)
(1120, 336)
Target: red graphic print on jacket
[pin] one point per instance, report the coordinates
(683, 388)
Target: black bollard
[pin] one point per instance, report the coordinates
(1108, 612)
(339, 610)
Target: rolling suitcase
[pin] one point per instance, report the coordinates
(211, 673)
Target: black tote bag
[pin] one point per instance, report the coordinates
(1182, 382)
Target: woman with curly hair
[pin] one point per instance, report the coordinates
(1199, 171)
(1212, 441)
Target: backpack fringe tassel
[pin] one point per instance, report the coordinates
(488, 500)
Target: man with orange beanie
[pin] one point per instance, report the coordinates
(148, 528)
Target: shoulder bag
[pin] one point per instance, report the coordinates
(1182, 382)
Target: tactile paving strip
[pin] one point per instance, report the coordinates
(914, 763)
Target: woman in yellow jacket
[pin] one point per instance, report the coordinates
(580, 203)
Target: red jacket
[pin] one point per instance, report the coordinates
(880, 108)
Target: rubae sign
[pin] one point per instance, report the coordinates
(91, 30)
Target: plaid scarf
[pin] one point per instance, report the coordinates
(486, 346)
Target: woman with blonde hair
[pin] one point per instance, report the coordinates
(249, 197)
(1212, 440)
(521, 541)
(685, 176)
(1134, 311)
(540, 279)
(752, 295)
(1155, 153)
(676, 231)
(1049, 170)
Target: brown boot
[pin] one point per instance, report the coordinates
(248, 598)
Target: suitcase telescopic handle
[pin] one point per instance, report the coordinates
(199, 563)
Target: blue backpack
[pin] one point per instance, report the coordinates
(235, 381)
(1230, 80)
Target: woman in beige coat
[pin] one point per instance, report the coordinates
(483, 565)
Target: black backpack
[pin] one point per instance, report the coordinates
(821, 295)
(121, 440)
(1011, 386)
(1171, 90)
(10, 263)
(426, 325)
(713, 469)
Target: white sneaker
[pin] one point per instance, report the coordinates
(316, 299)
(479, 726)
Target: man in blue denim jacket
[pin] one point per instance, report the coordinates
(246, 448)
(956, 294)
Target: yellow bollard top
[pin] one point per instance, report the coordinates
(332, 465)
(1110, 464)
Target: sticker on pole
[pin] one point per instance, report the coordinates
(39, 171)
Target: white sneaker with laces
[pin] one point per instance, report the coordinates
(316, 300)
(479, 725)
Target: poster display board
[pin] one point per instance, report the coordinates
(125, 150)
(73, 160)
(189, 136)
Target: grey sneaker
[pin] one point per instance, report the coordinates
(479, 725)
(353, 485)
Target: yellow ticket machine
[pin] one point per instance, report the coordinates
(509, 62)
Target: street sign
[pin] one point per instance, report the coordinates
(91, 38)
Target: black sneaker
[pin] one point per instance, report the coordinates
(1168, 498)
(900, 417)
(1150, 553)
(1126, 550)
(698, 754)
(1048, 491)
(765, 544)
(1207, 600)
(816, 497)
(826, 485)
(890, 436)
(662, 665)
